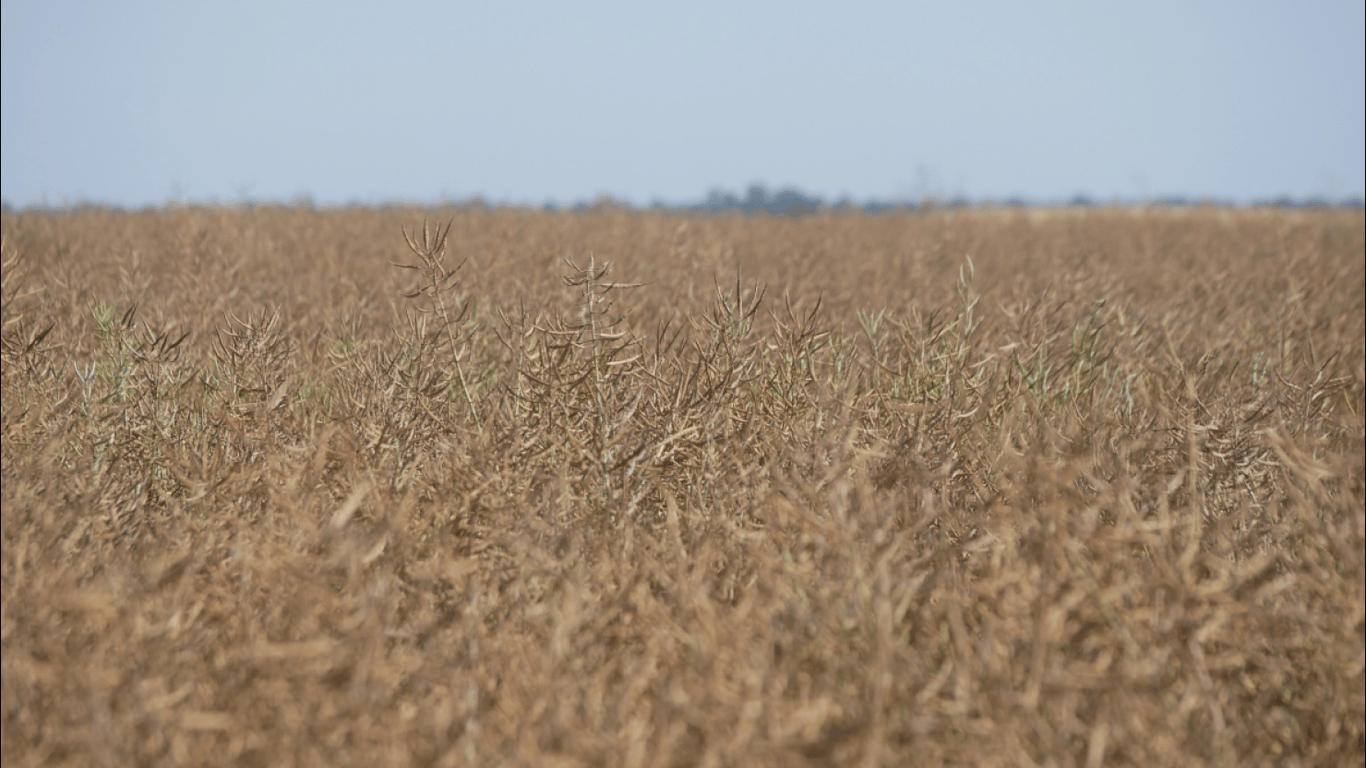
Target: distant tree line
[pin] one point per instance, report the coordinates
(789, 201)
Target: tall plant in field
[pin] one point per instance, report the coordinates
(585, 381)
(438, 301)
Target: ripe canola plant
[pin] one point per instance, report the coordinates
(400, 487)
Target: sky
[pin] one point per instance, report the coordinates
(140, 103)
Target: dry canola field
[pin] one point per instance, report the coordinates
(401, 487)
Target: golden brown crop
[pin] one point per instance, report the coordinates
(964, 488)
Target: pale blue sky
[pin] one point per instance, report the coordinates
(137, 103)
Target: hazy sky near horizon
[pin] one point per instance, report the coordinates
(139, 102)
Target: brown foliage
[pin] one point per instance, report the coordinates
(950, 489)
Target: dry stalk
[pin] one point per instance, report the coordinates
(438, 281)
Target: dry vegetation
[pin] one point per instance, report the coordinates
(950, 489)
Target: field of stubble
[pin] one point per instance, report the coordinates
(973, 488)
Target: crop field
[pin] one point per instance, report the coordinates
(401, 487)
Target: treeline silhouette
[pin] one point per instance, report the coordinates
(789, 201)
(760, 200)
